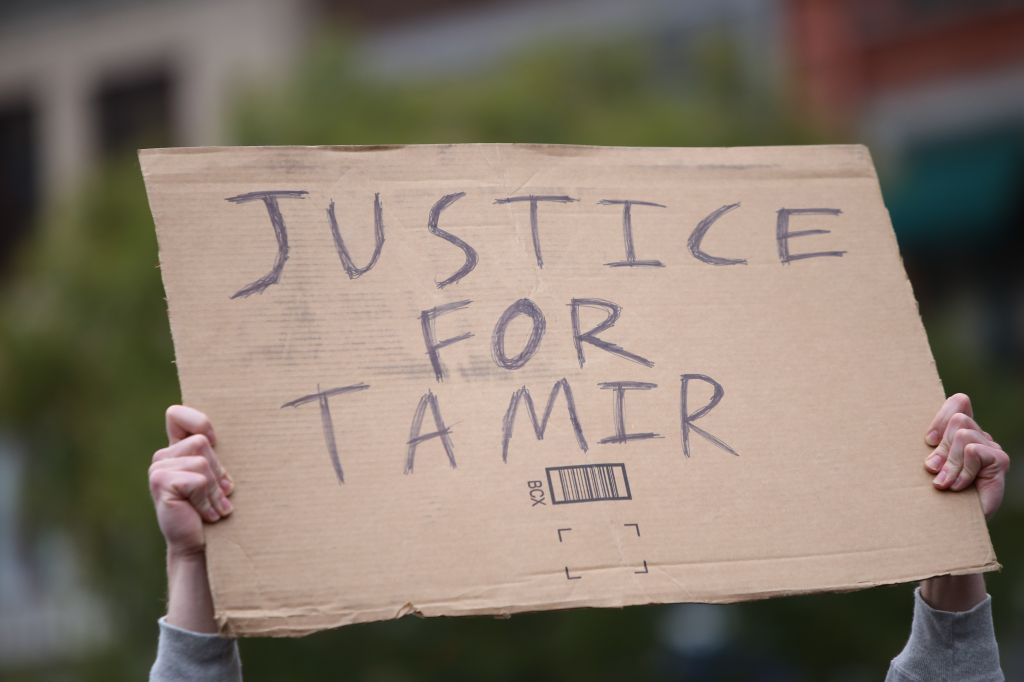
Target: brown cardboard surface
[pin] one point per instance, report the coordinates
(805, 476)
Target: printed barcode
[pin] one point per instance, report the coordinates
(588, 483)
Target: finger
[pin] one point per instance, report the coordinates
(991, 479)
(200, 499)
(954, 466)
(956, 423)
(198, 444)
(981, 458)
(183, 421)
(958, 402)
(169, 485)
(973, 463)
(199, 465)
(196, 465)
(937, 458)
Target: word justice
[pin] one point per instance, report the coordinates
(272, 199)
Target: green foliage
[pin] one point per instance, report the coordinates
(604, 94)
(85, 368)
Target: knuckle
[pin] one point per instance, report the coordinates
(158, 479)
(1003, 461)
(190, 463)
(966, 436)
(197, 464)
(207, 471)
(962, 401)
(159, 455)
(198, 441)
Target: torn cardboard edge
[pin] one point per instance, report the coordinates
(301, 622)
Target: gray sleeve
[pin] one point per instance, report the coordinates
(943, 646)
(185, 655)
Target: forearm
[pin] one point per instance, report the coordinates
(189, 647)
(954, 593)
(189, 602)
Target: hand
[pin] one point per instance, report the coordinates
(187, 482)
(189, 487)
(964, 454)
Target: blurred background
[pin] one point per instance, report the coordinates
(935, 88)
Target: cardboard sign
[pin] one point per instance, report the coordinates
(483, 379)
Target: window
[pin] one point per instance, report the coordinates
(19, 182)
(136, 112)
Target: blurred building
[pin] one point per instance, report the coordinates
(937, 88)
(81, 79)
(84, 78)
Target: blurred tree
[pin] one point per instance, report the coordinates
(85, 366)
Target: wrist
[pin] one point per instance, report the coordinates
(954, 593)
(185, 557)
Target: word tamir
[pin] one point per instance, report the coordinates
(501, 355)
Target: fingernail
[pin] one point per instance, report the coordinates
(228, 507)
(933, 462)
(212, 515)
(226, 484)
(932, 438)
(941, 478)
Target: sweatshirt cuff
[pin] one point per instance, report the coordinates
(186, 655)
(947, 645)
